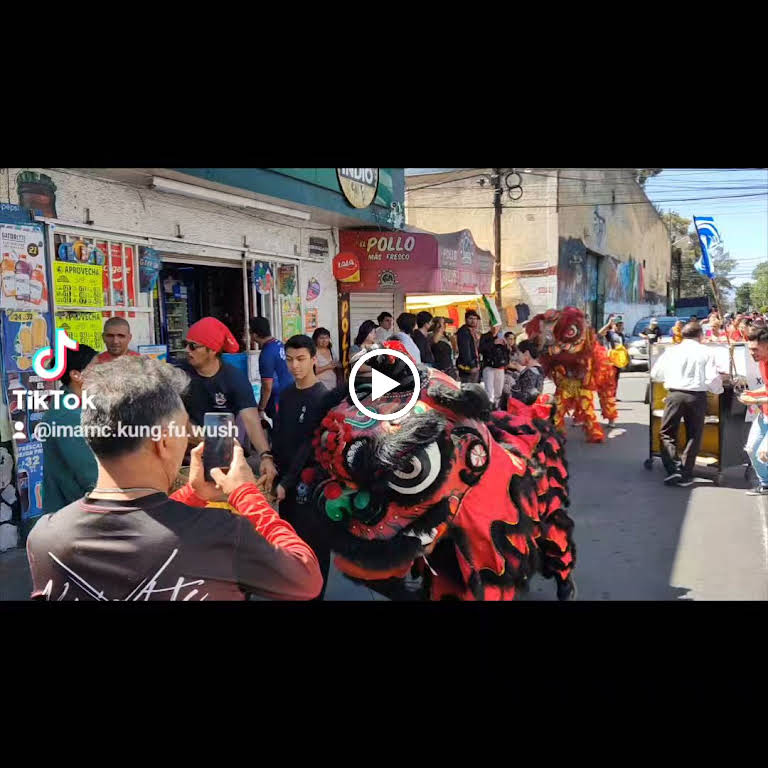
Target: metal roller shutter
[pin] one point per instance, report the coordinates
(368, 306)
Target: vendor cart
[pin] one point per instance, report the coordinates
(722, 444)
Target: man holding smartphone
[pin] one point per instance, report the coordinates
(216, 386)
(129, 540)
(300, 412)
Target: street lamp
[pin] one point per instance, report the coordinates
(687, 237)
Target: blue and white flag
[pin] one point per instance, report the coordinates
(711, 245)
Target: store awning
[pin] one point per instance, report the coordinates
(417, 262)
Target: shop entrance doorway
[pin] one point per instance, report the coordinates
(190, 292)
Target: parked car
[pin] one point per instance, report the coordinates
(637, 346)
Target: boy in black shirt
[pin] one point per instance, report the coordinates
(301, 410)
(421, 338)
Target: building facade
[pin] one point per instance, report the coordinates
(163, 247)
(583, 237)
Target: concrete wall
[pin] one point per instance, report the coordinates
(117, 205)
(607, 213)
(546, 234)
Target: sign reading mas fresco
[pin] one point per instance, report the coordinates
(418, 262)
(83, 327)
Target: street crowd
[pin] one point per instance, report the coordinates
(125, 514)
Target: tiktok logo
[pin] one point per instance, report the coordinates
(42, 356)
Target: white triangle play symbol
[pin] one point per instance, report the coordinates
(381, 384)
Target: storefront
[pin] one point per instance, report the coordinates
(162, 248)
(409, 271)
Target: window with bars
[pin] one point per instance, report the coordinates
(119, 293)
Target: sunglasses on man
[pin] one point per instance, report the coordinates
(190, 345)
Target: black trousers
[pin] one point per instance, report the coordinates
(691, 407)
(309, 527)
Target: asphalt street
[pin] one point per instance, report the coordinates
(636, 539)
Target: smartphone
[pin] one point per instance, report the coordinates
(219, 439)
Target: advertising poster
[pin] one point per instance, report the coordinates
(23, 283)
(262, 278)
(24, 382)
(83, 327)
(78, 285)
(313, 289)
(29, 478)
(291, 317)
(157, 351)
(286, 280)
(23, 334)
(310, 321)
(149, 268)
(115, 262)
(28, 451)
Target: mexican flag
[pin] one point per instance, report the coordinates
(494, 317)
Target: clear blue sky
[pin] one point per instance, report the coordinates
(742, 221)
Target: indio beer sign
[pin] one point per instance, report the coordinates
(359, 185)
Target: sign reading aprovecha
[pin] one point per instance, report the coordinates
(359, 185)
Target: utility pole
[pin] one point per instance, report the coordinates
(497, 233)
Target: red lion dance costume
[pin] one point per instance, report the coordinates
(474, 502)
(578, 365)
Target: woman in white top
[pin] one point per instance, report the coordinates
(364, 341)
(327, 364)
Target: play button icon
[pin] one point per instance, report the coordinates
(381, 384)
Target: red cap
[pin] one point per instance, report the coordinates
(212, 333)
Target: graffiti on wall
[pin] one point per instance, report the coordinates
(624, 281)
(576, 274)
(598, 227)
(583, 275)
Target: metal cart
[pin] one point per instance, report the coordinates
(722, 444)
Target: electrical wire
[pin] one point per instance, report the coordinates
(589, 204)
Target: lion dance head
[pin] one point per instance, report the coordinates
(476, 501)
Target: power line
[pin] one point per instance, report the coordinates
(585, 205)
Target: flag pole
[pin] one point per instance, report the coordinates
(731, 363)
(716, 293)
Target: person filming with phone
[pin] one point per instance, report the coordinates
(129, 540)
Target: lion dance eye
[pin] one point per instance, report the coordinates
(571, 331)
(423, 469)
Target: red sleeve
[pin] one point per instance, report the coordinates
(293, 572)
(187, 495)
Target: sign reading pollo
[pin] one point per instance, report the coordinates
(346, 268)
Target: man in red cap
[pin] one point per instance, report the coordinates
(216, 386)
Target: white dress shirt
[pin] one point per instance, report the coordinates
(382, 334)
(689, 366)
(409, 345)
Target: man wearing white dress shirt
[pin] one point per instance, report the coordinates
(688, 371)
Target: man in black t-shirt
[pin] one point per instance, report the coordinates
(216, 386)
(129, 540)
(421, 339)
(652, 332)
(300, 412)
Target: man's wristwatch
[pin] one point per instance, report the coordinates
(267, 455)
